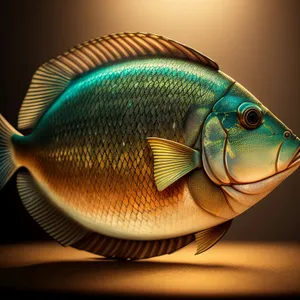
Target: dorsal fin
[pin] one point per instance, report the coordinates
(51, 79)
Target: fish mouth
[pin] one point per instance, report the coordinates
(295, 160)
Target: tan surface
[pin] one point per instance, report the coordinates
(227, 269)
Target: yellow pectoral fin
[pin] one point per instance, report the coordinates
(172, 160)
(205, 239)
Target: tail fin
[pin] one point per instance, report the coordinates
(8, 165)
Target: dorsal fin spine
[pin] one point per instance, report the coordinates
(68, 67)
(51, 79)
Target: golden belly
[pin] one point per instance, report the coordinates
(119, 200)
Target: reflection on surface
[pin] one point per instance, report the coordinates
(226, 269)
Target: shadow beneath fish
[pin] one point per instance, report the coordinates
(105, 276)
(126, 279)
(145, 264)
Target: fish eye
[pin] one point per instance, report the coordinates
(250, 117)
(287, 134)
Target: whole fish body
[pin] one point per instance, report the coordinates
(139, 145)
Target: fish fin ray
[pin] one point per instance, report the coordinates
(8, 166)
(207, 238)
(130, 249)
(52, 78)
(49, 217)
(172, 161)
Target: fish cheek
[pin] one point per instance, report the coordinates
(250, 155)
(208, 195)
(214, 144)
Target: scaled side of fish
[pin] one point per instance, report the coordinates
(132, 145)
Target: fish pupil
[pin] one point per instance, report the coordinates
(252, 117)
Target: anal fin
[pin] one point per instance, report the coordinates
(50, 218)
(130, 249)
(205, 239)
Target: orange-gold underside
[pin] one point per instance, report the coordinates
(122, 195)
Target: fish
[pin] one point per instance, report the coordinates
(137, 145)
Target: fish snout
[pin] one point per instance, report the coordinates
(288, 153)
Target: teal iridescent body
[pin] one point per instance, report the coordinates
(143, 150)
(98, 128)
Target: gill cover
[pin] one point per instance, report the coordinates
(214, 147)
(247, 150)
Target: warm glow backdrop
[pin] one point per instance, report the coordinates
(256, 42)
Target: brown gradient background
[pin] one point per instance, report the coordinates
(256, 42)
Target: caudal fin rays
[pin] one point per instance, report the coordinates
(8, 165)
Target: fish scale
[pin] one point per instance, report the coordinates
(116, 167)
(140, 145)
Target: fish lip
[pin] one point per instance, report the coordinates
(295, 160)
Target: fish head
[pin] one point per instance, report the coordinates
(247, 150)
